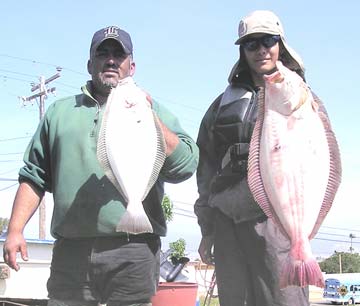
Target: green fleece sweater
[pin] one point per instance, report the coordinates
(61, 158)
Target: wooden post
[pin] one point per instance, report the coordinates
(43, 91)
(340, 267)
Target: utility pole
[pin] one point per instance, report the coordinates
(42, 95)
(351, 236)
(340, 265)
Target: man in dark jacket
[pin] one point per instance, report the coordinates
(245, 246)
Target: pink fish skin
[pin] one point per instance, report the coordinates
(294, 169)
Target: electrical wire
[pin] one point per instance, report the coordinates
(15, 138)
(8, 187)
(15, 153)
(334, 240)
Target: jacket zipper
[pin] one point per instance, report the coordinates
(96, 119)
(245, 135)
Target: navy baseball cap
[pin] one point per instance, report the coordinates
(111, 32)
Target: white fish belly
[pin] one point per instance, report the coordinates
(132, 148)
(294, 165)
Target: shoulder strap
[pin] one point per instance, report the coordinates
(233, 93)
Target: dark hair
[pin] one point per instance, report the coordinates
(245, 77)
(286, 59)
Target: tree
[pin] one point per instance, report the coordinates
(350, 263)
(178, 249)
(167, 206)
(4, 222)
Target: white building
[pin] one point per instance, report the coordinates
(29, 283)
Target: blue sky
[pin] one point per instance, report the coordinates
(184, 52)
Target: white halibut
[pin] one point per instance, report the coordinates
(294, 169)
(131, 150)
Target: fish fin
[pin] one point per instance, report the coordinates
(301, 273)
(335, 169)
(255, 181)
(134, 220)
(254, 175)
(159, 158)
(101, 151)
(314, 105)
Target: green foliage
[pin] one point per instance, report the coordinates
(4, 222)
(350, 263)
(178, 248)
(167, 206)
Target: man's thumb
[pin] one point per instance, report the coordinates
(24, 253)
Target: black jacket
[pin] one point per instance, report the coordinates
(223, 140)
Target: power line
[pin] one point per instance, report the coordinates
(194, 124)
(15, 138)
(176, 103)
(8, 187)
(339, 235)
(41, 63)
(16, 79)
(185, 215)
(15, 153)
(334, 240)
(10, 160)
(343, 229)
(66, 85)
(18, 73)
(29, 82)
(184, 210)
(335, 228)
(9, 171)
(27, 60)
(185, 203)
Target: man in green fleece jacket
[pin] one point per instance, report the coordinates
(92, 263)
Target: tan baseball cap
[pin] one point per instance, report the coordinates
(268, 23)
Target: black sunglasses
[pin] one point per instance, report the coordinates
(267, 41)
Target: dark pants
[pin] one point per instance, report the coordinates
(111, 270)
(248, 260)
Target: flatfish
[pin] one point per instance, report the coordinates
(131, 150)
(294, 169)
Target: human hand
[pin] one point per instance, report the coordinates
(206, 250)
(148, 97)
(277, 76)
(135, 95)
(15, 243)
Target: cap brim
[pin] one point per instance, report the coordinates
(94, 47)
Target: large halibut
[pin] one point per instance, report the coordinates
(294, 169)
(131, 150)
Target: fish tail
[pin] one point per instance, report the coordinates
(134, 221)
(301, 273)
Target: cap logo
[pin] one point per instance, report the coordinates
(111, 32)
(242, 28)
